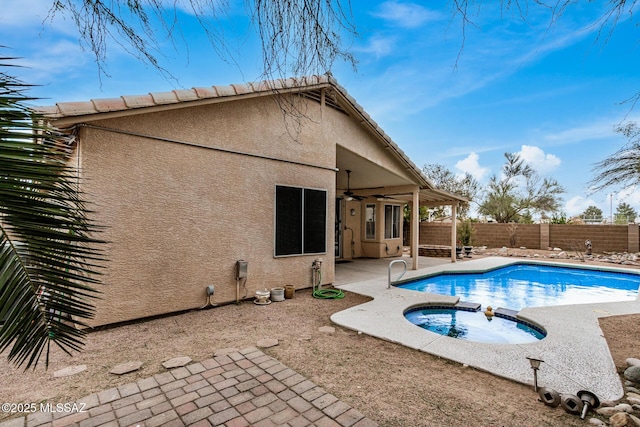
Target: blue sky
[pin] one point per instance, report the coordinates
(553, 93)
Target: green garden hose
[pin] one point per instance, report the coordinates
(318, 292)
(328, 293)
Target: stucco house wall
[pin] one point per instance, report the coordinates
(178, 217)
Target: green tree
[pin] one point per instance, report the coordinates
(423, 213)
(519, 193)
(48, 257)
(558, 218)
(592, 214)
(464, 185)
(465, 232)
(625, 214)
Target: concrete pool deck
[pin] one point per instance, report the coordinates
(575, 353)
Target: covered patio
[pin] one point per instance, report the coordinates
(371, 195)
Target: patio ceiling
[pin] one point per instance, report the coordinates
(371, 179)
(365, 174)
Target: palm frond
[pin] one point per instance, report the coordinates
(49, 257)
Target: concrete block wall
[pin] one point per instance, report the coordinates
(604, 238)
(492, 235)
(510, 235)
(434, 233)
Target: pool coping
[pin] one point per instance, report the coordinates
(575, 354)
(501, 313)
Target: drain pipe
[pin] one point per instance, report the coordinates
(240, 273)
(210, 291)
(316, 274)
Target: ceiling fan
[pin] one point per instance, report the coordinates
(350, 193)
(388, 197)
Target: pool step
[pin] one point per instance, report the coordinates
(506, 313)
(468, 306)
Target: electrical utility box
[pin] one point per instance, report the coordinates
(241, 269)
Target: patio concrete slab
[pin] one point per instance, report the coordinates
(575, 353)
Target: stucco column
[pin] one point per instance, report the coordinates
(454, 229)
(415, 227)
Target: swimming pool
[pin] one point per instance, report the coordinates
(522, 285)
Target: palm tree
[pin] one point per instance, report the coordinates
(49, 257)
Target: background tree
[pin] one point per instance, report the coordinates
(519, 193)
(592, 214)
(625, 214)
(47, 253)
(464, 185)
(423, 213)
(558, 218)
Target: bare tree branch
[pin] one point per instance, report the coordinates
(622, 167)
(607, 15)
(299, 37)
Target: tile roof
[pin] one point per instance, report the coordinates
(132, 102)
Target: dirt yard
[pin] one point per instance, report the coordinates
(390, 384)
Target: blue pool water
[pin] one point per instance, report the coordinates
(473, 326)
(532, 285)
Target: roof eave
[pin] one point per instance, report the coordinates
(66, 113)
(421, 180)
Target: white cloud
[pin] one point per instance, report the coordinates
(18, 13)
(471, 166)
(63, 57)
(406, 15)
(537, 159)
(592, 131)
(35, 19)
(379, 46)
(217, 7)
(577, 205)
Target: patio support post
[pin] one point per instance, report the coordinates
(454, 227)
(415, 227)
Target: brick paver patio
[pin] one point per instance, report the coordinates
(242, 388)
